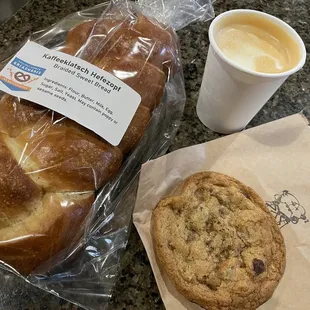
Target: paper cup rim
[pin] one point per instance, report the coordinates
(251, 72)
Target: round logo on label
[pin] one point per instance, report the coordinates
(22, 77)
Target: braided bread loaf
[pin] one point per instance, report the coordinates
(50, 166)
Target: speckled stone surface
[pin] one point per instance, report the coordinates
(136, 287)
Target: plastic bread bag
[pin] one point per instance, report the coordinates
(67, 194)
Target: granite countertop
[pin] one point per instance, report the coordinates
(136, 287)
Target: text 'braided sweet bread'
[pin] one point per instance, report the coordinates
(50, 166)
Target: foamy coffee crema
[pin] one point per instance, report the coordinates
(256, 43)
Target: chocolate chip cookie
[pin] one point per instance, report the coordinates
(218, 243)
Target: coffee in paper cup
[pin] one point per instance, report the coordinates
(250, 56)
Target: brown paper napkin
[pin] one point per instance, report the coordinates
(274, 159)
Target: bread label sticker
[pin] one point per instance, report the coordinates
(92, 97)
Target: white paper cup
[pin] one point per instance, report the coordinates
(230, 96)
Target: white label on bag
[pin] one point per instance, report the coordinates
(71, 86)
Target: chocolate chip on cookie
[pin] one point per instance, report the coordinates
(258, 266)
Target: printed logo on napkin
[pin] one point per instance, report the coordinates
(71, 86)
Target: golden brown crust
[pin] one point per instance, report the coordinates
(218, 243)
(56, 223)
(19, 195)
(35, 225)
(64, 159)
(147, 80)
(118, 36)
(165, 46)
(42, 156)
(16, 115)
(78, 36)
(135, 130)
(54, 158)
